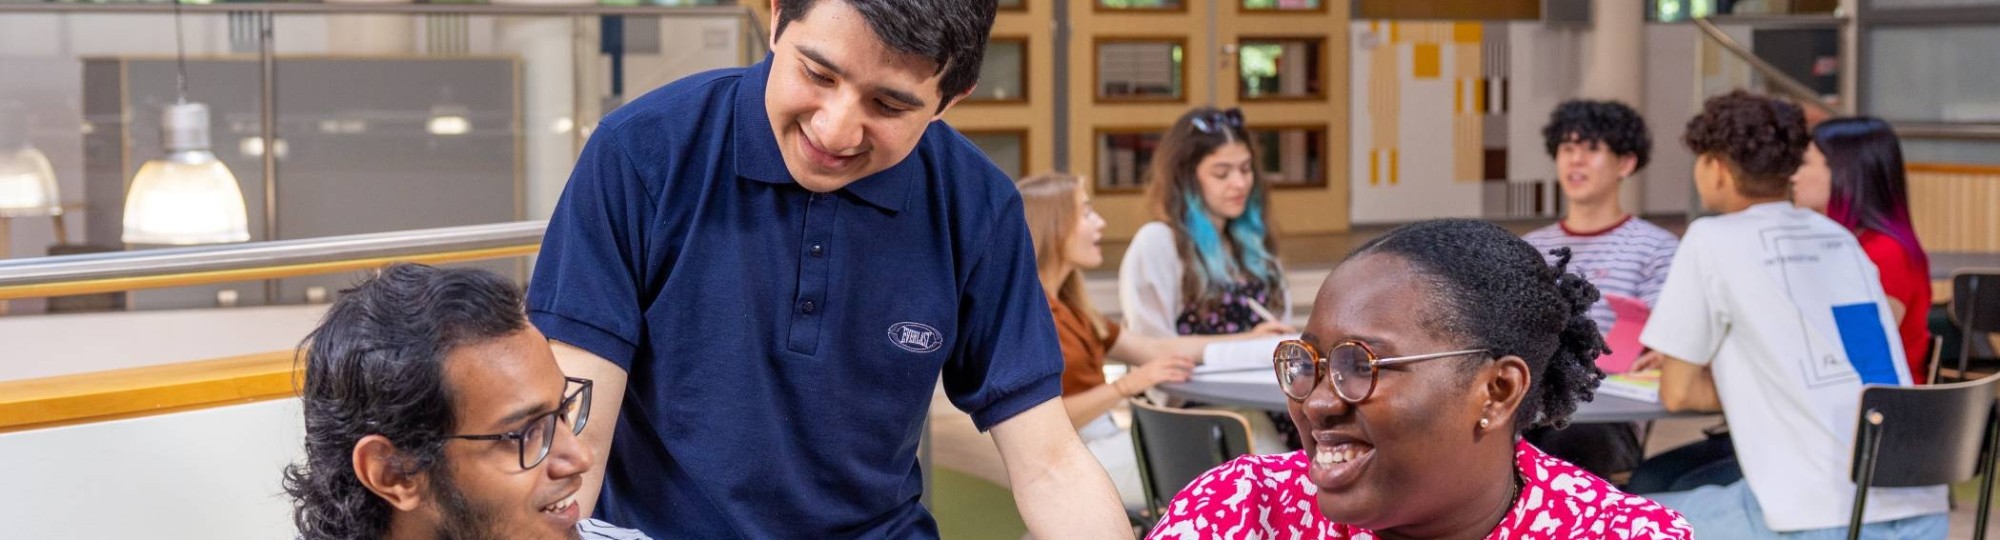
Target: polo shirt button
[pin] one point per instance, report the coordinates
(807, 307)
(818, 250)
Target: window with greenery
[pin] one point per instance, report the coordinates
(1271, 68)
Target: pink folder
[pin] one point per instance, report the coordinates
(1624, 337)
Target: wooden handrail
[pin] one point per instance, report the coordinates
(144, 391)
(93, 286)
(1953, 168)
(178, 267)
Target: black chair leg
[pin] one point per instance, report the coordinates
(1986, 482)
(1871, 440)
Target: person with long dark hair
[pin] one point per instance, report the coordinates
(1853, 173)
(1208, 262)
(434, 410)
(1428, 353)
(1210, 252)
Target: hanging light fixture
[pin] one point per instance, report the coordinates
(27, 182)
(187, 197)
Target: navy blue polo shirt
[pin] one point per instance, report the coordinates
(781, 346)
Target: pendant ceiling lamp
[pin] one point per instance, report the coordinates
(27, 182)
(188, 196)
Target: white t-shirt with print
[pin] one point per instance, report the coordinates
(1788, 312)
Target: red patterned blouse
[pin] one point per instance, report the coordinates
(1269, 496)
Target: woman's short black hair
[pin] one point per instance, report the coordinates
(950, 33)
(375, 365)
(1762, 139)
(1496, 293)
(1610, 123)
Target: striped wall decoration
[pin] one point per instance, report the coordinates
(1953, 206)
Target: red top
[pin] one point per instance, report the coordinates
(1269, 496)
(1909, 282)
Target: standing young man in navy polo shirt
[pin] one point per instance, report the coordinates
(766, 270)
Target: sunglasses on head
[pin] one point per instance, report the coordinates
(1214, 122)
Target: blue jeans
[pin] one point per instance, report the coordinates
(1731, 512)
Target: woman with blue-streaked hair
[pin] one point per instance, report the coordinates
(1208, 264)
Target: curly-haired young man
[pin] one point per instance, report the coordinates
(1774, 316)
(1596, 145)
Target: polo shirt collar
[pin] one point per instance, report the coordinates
(758, 157)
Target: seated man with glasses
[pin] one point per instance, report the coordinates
(434, 410)
(1429, 351)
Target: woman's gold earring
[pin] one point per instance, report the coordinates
(1484, 423)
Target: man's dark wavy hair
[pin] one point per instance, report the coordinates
(375, 365)
(950, 33)
(1610, 123)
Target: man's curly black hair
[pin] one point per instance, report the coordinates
(1761, 139)
(1497, 293)
(1613, 124)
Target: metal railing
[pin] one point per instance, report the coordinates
(1783, 84)
(1778, 81)
(175, 267)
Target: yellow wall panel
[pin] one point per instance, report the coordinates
(1426, 61)
(1467, 32)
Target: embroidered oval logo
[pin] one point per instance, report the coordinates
(915, 337)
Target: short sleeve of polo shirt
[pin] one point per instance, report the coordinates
(586, 280)
(1007, 358)
(1688, 322)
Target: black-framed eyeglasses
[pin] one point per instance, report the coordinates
(540, 434)
(1214, 122)
(1351, 366)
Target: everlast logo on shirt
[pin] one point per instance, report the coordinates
(915, 337)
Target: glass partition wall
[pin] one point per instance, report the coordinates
(330, 119)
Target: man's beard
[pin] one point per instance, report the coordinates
(462, 520)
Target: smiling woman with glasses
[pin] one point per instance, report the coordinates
(1429, 350)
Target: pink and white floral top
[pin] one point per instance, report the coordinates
(1269, 496)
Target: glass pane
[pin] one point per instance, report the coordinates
(1292, 156)
(1001, 74)
(1139, 70)
(1013, 5)
(1122, 159)
(1006, 149)
(382, 122)
(1139, 4)
(1960, 74)
(1281, 4)
(1287, 68)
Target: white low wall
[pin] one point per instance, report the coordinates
(212, 474)
(38, 346)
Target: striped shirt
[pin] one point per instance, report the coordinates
(591, 529)
(1629, 259)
